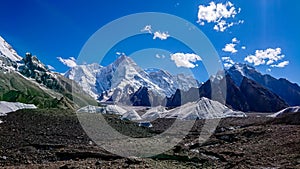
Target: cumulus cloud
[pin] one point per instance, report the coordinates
(156, 34)
(281, 64)
(266, 57)
(161, 35)
(230, 48)
(219, 14)
(243, 47)
(186, 60)
(228, 62)
(50, 67)
(70, 62)
(235, 40)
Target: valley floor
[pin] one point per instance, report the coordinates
(54, 139)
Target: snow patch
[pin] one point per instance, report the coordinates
(7, 107)
(131, 115)
(154, 113)
(295, 109)
(203, 109)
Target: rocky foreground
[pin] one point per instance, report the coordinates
(55, 139)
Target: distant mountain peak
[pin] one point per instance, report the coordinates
(243, 65)
(242, 68)
(7, 51)
(123, 59)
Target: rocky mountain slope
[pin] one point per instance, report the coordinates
(248, 96)
(27, 80)
(289, 92)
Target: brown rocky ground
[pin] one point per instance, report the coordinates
(55, 139)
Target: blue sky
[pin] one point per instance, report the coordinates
(51, 29)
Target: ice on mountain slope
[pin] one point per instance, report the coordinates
(202, 109)
(154, 113)
(85, 75)
(7, 51)
(8, 57)
(124, 77)
(115, 109)
(170, 83)
(92, 109)
(124, 114)
(131, 115)
(7, 107)
(238, 71)
(295, 109)
(109, 109)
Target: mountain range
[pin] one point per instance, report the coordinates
(125, 82)
(28, 80)
(246, 90)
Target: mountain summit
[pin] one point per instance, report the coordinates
(7, 51)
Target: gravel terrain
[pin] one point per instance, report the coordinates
(54, 138)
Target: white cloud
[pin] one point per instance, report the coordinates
(50, 67)
(228, 62)
(235, 40)
(230, 48)
(268, 57)
(281, 64)
(147, 28)
(161, 35)
(243, 47)
(218, 14)
(160, 56)
(71, 62)
(185, 60)
(156, 34)
(120, 54)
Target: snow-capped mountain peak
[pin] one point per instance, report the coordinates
(7, 51)
(239, 70)
(124, 77)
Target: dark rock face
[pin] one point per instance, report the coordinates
(289, 92)
(261, 99)
(234, 97)
(250, 96)
(141, 97)
(145, 97)
(7, 62)
(33, 68)
(182, 97)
